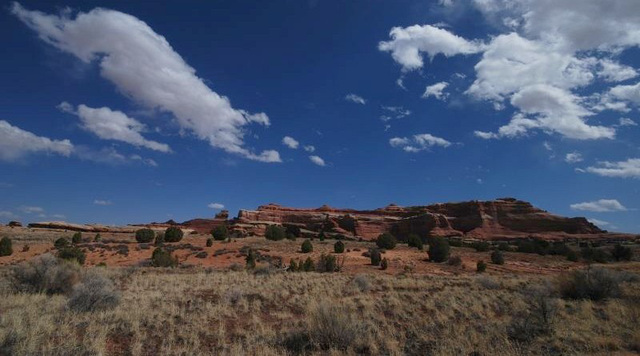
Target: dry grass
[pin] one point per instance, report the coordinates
(198, 312)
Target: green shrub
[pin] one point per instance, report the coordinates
(327, 263)
(415, 241)
(163, 258)
(173, 234)
(97, 238)
(438, 249)
(559, 249)
(220, 233)
(72, 253)
(503, 246)
(250, 259)
(386, 241)
(292, 231)
(45, 274)
(591, 254)
(275, 233)
(481, 266)
(481, 246)
(375, 256)
(572, 255)
(455, 242)
(293, 266)
(6, 248)
(321, 236)
(497, 258)
(384, 264)
(592, 283)
(308, 265)
(61, 243)
(621, 253)
(209, 242)
(454, 261)
(338, 247)
(76, 238)
(145, 235)
(159, 239)
(307, 246)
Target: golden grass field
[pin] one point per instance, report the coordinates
(430, 309)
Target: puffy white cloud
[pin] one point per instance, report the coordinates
(436, 90)
(628, 93)
(407, 45)
(144, 67)
(31, 209)
(216, 206)
(622, 169)
(317, 160)
(602, 205)
(16, 143)
(615, 72)
(418, 142)
(573, 157)
(355, 99)
(290, 142)
(113, 125)
(309, 148)
(102, 202)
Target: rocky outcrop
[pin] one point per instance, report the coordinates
(497, 219)
(61, 225)
(14, 224)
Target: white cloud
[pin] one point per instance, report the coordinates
(625, 121)
(355, 98)
(31, 209)
(598, 222)
(622, 169)
(600, 206)
(317, 160)
(310, 148)
(612, 71)
(16, 143)
(436, 90)
(573, 157)
(418, 142)
(58, 216)
(626, 93)
(216, 206)
(102, 202)
(4, 214)
(113, 125)
(290, 142)
(407, 45)
(144, 67)
(394, 112)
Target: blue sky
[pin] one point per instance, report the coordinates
(122, 112)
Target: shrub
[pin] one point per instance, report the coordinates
(293, 266)
(481, 246)
(6, 248)
(497, 258)
(159, 239)
(275, 233)
(45, 274)
(362, 282)
(591, 254)
(250, 260)
(97, 238)
(537, 320)
(481, 266)
(375, 256)
(331, 326)
(503, 246)
(572, 255)
(307, 246)
(145, 235)
(559, 248)
(308, 265)
(321, 236)
(438, 250)
(487, 282)
(619, 253)
(76, 238)
(173, 234)
(386, 241)
(163, 258)
(96, 292)
(292, 231)
(592, 283)
(72, 253)
(454, 261)
(338, 247)
(415, 241)
(220, 233)
(209, 242)
(60, 243)
(384, 264)
(327, 263)
(455, 242)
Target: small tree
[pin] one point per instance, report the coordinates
(438, 250)
(497, 257)
(308, 265)
(415, 241)
(307, 246)
(386, 241)
(76, 238)
(6, 248)
(220, 233)
(338, 247)
(145, 235)
(275, 233)
(292, 232)
(621, 253)
(293, 266)
(250, 259)
(321, 236)
(481, 266)
(481, 246)
(60, 243)
(163, 258)
(327, 263)
(375, 256)
(173, 234)
(572, 255)
(97, 238)
(159, 239)
(72, 253)
(209, 242)
(384, 264)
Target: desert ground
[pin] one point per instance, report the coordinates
(212, 305)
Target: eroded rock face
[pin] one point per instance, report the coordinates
(61, 225)
(501, 218)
